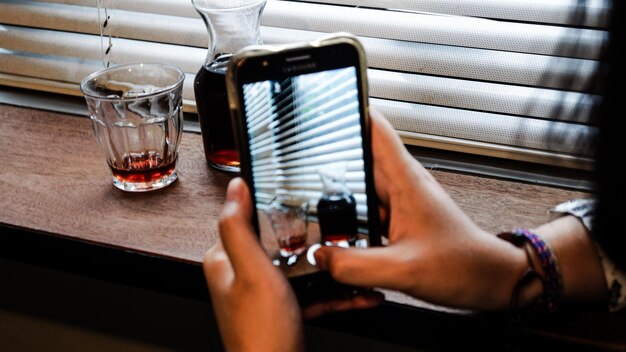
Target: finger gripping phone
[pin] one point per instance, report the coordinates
(300, 114)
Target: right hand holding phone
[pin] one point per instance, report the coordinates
(435, 252)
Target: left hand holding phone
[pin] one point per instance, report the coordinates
(255, 306)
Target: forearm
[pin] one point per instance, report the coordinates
(577, 259)
(579, 262)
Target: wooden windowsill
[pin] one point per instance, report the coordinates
(55, 181)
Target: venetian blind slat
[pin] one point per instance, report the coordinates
(428, 89)
(514, 79)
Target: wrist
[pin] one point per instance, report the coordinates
(583, 276)
(541, 282)
(506, 263)
(531, 291)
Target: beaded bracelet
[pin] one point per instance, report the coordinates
(551, 280)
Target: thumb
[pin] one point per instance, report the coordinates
(236, 231)
(372, 267)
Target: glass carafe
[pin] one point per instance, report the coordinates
(231, 25)
(336, 209)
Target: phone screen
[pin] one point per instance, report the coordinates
(308, 161)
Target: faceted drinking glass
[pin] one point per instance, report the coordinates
(137, 117)
(288, 217)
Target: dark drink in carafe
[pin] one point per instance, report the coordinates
(337, 218)
(220, 149)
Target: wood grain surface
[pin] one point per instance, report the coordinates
(54, 178)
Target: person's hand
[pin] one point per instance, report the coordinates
(435, 252)
(254, 304)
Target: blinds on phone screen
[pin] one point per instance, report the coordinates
(305, 141)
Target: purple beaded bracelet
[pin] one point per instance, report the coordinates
(552, 280)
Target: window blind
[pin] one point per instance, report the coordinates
(515, 79)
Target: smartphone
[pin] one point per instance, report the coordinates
(300, 114)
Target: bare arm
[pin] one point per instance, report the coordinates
(438, 254)
(583, 276)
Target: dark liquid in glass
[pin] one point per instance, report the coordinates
(293, 244)
(220, 149)
(142, 167)
(337, 217)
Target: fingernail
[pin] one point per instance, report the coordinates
(233, 192)
(320, 258)
(310, 253)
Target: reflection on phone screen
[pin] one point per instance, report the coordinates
(306, 147)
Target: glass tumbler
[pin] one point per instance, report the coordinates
(288, 217)
(137, 116)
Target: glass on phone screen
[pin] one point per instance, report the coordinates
(306, 153)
